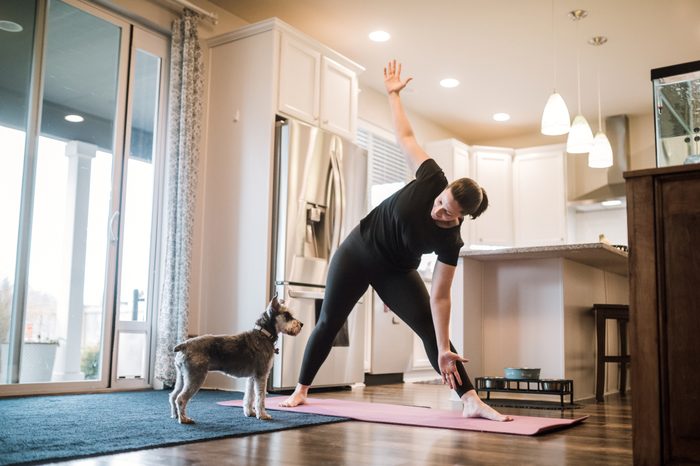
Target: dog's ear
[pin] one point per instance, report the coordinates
(274, 304)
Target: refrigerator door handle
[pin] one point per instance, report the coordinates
(338, 191)
(313, 295)
(305, 294)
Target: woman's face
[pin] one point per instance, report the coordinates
(445, 208)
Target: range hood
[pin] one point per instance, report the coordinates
(617, 130)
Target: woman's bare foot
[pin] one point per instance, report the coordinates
(297, 398)
(474, 407)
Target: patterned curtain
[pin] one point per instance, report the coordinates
(185, 109)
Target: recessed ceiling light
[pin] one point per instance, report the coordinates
(10, 26)
(501, 116)
(449, 82)
(74, 118)
(379, 36)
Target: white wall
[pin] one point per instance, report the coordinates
(373, 107)
(612, 223)
(642, 144)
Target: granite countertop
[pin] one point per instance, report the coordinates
(600, 255)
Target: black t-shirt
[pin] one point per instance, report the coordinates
(401, 229)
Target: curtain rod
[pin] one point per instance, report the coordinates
(207, 14)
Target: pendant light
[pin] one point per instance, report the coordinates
(580, 137)
(601, 155)
(555, 118)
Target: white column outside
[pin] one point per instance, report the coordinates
(70, 307)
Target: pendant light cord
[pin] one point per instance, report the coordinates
(554, 50)
(578, 67)
(600, 125)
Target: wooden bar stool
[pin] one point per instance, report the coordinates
(620, 313)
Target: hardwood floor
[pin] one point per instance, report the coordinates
(604, 438)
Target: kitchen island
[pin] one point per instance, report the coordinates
(531, 307)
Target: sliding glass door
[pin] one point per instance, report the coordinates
(140, 223)
(79, 252)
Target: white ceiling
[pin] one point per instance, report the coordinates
(502, 51)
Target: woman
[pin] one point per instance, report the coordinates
(384, 251)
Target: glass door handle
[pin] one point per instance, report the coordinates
(113, 236)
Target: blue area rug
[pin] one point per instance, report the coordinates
(42, 428)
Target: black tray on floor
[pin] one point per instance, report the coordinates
(529, 386)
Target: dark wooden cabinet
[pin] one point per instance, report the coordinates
(663, 220)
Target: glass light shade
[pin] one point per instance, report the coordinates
(601, 155)
(555, 118)
(580, 137)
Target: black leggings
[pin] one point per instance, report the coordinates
(353, 268)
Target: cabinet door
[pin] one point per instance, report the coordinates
(539, 198)
(676, 246)
(460, 166)
(460, 160)
(300, 71)
(493, 172)
(452, 156)
(338, 98)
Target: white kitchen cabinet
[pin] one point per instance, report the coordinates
(539, 196)
(492, 169)
(453, 157)
(300, 80)
(338, 98)
(243, 88)
(315, 87)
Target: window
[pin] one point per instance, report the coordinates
(80, 182)
(388, 170)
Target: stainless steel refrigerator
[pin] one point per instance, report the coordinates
(320, 196)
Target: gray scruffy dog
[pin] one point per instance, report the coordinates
(248, 354)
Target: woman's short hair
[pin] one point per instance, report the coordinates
(470, 196)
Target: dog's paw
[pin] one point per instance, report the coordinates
(264, 416)
(249, 411)
(185, 420)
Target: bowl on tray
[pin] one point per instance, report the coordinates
(526, 373)
(494, 382)
(552, 385)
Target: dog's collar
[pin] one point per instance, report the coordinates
(266, 333)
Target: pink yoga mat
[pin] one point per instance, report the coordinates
(417, 416)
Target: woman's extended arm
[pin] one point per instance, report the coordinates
(440, 307)
(404, 133)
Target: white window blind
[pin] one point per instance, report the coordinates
(387, 162)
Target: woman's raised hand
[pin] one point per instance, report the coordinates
(392, 78)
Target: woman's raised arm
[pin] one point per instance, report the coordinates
(415, 155)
